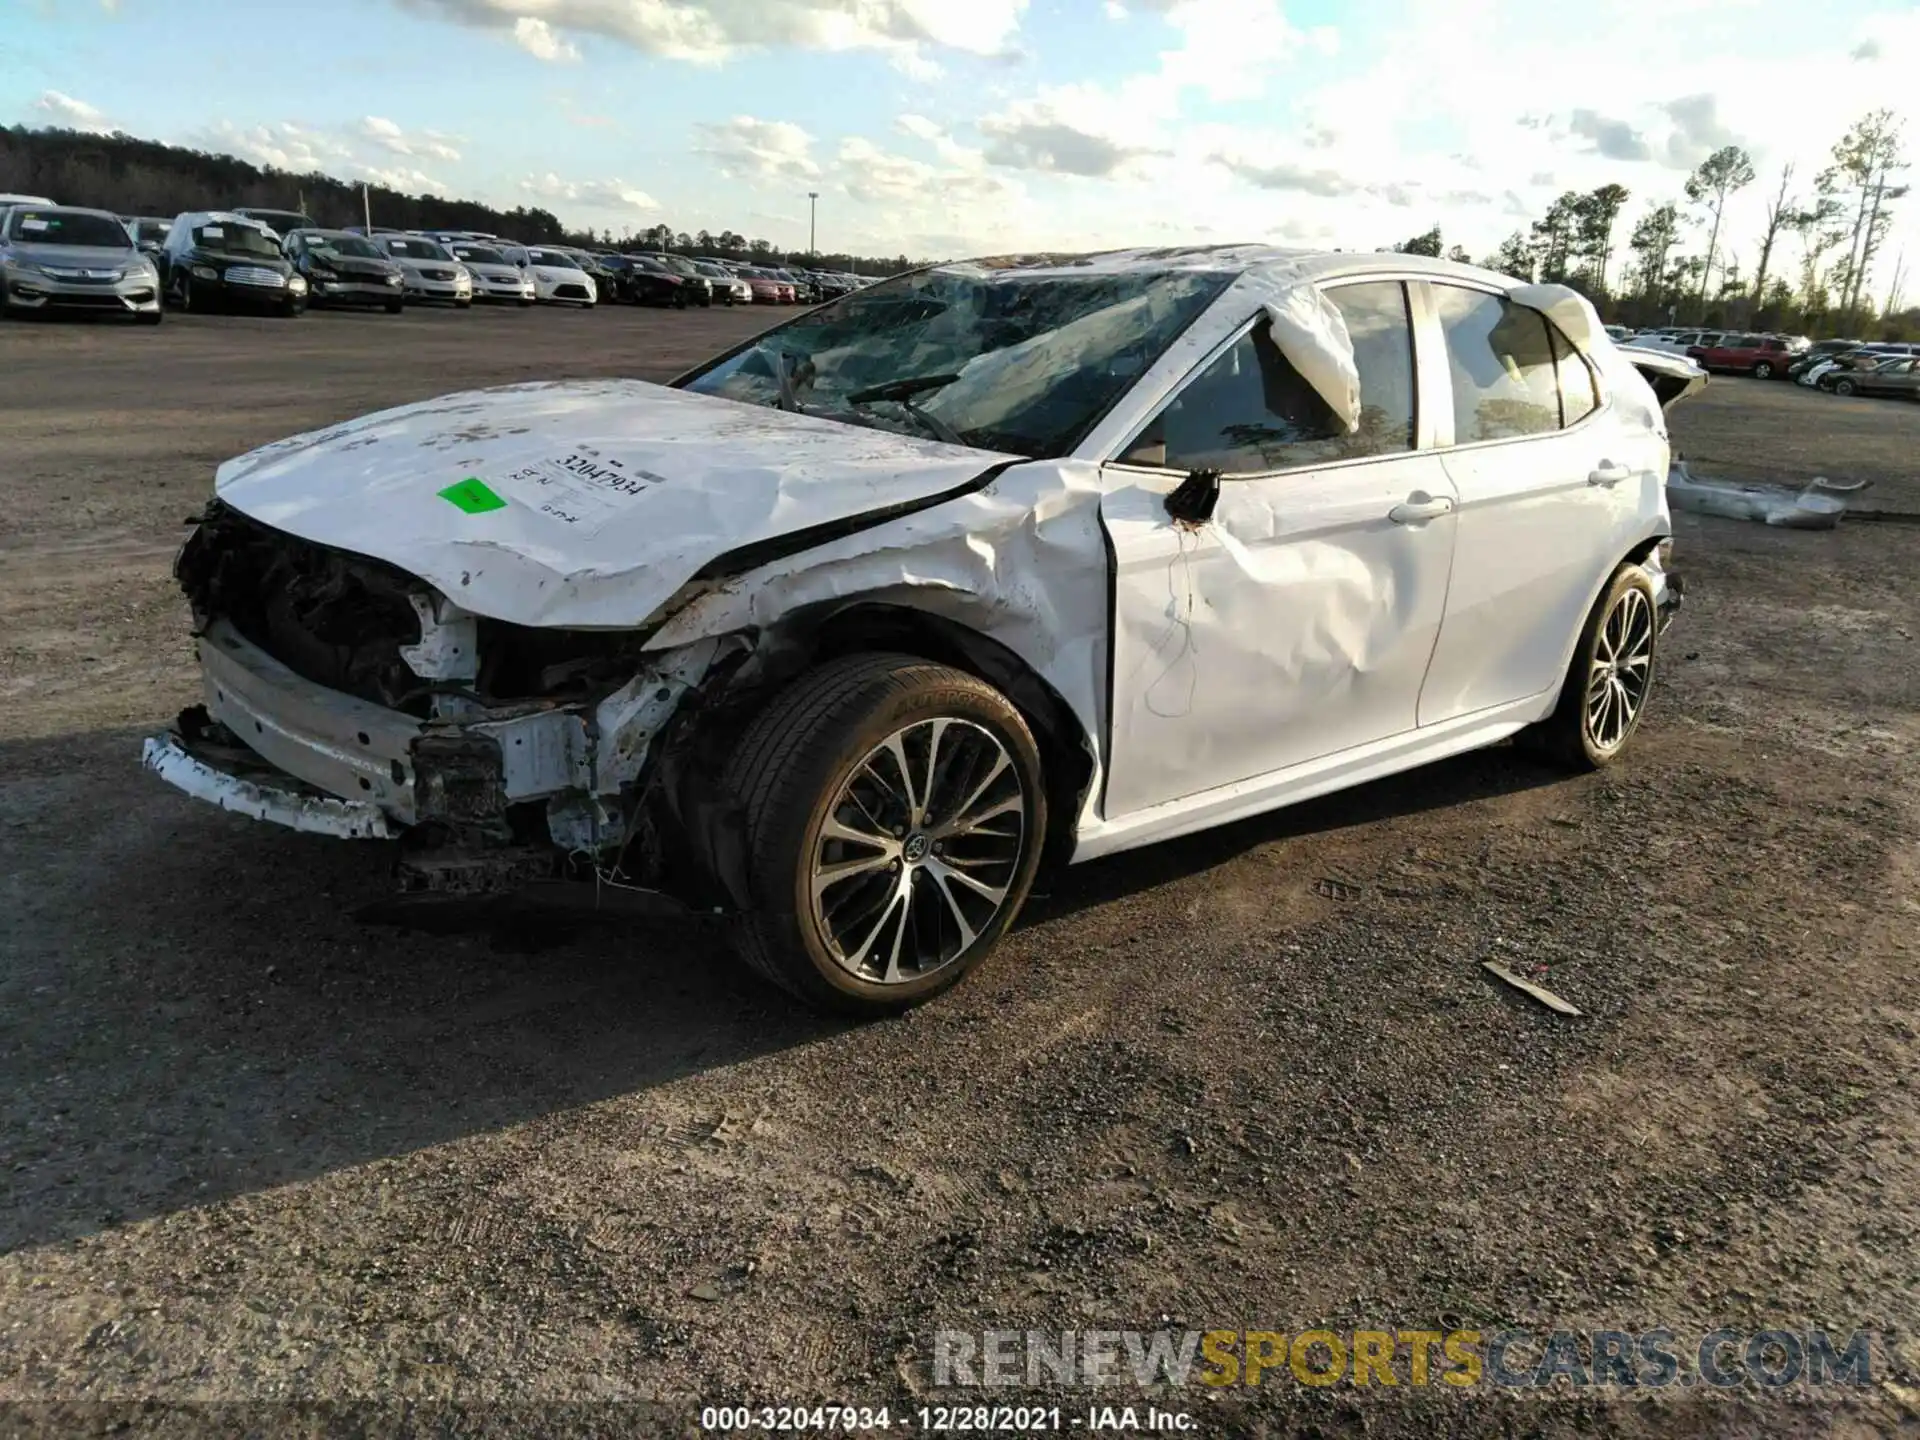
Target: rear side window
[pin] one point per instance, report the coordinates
(1579, 397)
(1502, 364)
(1250, 411)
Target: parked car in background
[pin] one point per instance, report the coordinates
(768, 288)
(216, 258)
(698, 288)
(149, 232)
(55, 257)
(7, 199)
(728, 288)
(431, 273)
(1761, 356)
(557, 280)
(1676, 342)
(495, 277)
(647, 281)
(590, 265)
(608, 611)
(281, 222)
(1896, 375)
(343, 269)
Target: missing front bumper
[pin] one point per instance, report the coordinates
(261, 794)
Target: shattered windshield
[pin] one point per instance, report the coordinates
(67, 227)
(1005, 359)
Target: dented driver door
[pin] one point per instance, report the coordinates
(1297, 619)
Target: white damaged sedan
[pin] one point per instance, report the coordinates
(847, 630)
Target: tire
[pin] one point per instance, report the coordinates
(149, 317)
(1584, 733)
(185, 302)
(394, 307)
(1763, 371)
(1844, 387)
(292, 307)
(525, 304)
(820, 757)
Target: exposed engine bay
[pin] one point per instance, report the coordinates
(505, 754)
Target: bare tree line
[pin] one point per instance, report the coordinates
(1839, 225)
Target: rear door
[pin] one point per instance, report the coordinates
(1298, 618)
(1551, 488)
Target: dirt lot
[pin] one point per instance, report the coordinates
(251, 1150)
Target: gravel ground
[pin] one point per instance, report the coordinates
(1745, 429)
(253, 1151)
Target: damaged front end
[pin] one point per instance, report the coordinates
(345, 697)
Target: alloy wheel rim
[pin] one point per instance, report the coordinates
(1621, 670)
(918, 851)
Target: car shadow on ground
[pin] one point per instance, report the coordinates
(190, 1011)
(1477, 775)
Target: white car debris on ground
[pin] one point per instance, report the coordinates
(1817, 505)
(846, 629)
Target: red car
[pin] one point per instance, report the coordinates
(1761, 356)
(768, 288)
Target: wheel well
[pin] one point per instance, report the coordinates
(1066, 759)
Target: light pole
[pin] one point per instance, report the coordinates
(813, 203)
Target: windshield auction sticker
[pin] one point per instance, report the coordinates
(583, 489)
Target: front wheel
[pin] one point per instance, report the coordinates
(394, 307)
(894, 816)
(1763, 371)
(1844, 387)
(1607, 685)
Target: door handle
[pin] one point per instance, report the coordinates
(1608, 474)
(1418, 508)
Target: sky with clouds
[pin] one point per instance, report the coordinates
(940, 127)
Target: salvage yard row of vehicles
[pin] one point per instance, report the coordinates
(1842, 367)
(55, 257)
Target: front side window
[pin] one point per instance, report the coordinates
(1250, 411)
(1501, 361)
(1007, 357)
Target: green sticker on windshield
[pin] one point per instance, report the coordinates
(473, 496)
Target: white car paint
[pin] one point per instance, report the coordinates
(1325, 625)
(557, 278)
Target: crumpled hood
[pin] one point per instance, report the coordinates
(583, 504)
